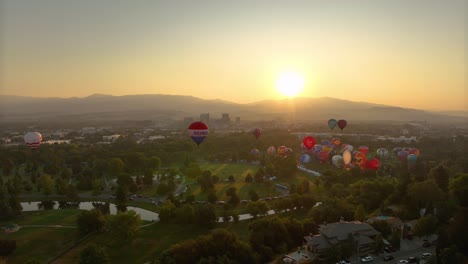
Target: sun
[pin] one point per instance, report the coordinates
(289, 83)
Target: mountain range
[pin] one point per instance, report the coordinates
(153, 106)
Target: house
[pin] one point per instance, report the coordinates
(331, 234)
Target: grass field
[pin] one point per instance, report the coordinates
(41, 243)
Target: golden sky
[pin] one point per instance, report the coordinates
(395, 52)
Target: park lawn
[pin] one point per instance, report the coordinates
(243, 189)
(149, 243)
(42, 243)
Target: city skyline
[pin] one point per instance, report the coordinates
(399, 53)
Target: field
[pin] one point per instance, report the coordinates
(42, 243)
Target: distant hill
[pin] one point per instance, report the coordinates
(152, 106)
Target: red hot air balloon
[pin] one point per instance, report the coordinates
(373, 164)
(363, 149)
(309, 142)
(257, 133)
(198, 131)
(342, 124)
(33, 139)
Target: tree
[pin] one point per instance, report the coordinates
(97, 187)
(231, 178)
(234, 198)
(72, 193)
(395, 239)
(60, 186)
(253, 195)
(379, 244)
(360, 213)
(148, 178)
(258, 177)
(425, 225)
(46, 183)
(115, 166)
(154, 163)
(94, 254)
(7, 247)
(214, 179)
(441, 176)
(91, 221)
(257, 208)
(205, 215)
(121, 195)
(425, 193)
(124, 225)
(166, 211)
(459, 188)
(248, 178)
(212, 198)
(382, 226)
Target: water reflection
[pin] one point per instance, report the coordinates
(106, 208)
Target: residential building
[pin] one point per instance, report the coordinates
(363, 236)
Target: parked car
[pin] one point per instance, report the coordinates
(343, 262)
(388, 258)
(403, 261)
(426, 244)
(367, 259)
(412, 260)
(426, 255)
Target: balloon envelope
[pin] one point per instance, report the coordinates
(383, 153)
(257, 132)
(281, 150)
(347, 157)
(402, 155)
(336, 142)
(309, 142)
(198, 131)
(363, 149)
(347, 147)
(271, 150)
(373, 164)
(337, 160)
(323, 156)
(332, 123)
(342, 124)
(305, 158)
(33, 139)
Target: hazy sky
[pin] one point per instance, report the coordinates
(410, 53)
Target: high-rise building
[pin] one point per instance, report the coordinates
(205, 117)
(225, 118)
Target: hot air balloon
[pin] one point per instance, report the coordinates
(281, 150)
(198, 131)
(271, 150)
(347, 157)
(318, 147)
(325, 142)
(336, 142)
(323, 156)
(332, 123)
(342, 124)
(396, 150)
(347, 147)
(402, 155)
(414, 151)
(327, 148)
(383, 153)
(373, 164)
(361, 159)
(33, 139)
(337, 160)
(411, 158)
(257, 132)
(289, 150)
(305, 158)
(309, 142)
(255, 152)
(363, 149)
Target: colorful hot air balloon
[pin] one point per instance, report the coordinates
(323, 156)
(414, 151)
(327, 148)
(257, 132)
(332, 123)
(342, 124)
(373, 164)
(411, 158)
(33, 139)
(396, 150)
(347, 147)
(318, 147)
(383, 153)
(309, 142)
(361, 159)
(325, 142)
(363, 149)
(337, 160)
(336, 142)
(271, 150)
(347, 157)
(281, 150)
(255, 152)
(402, 155)
(198, 131)
(305, 158)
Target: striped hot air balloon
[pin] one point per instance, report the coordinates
(33, 139)
(198, 131)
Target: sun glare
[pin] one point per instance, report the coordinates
(289, 83)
